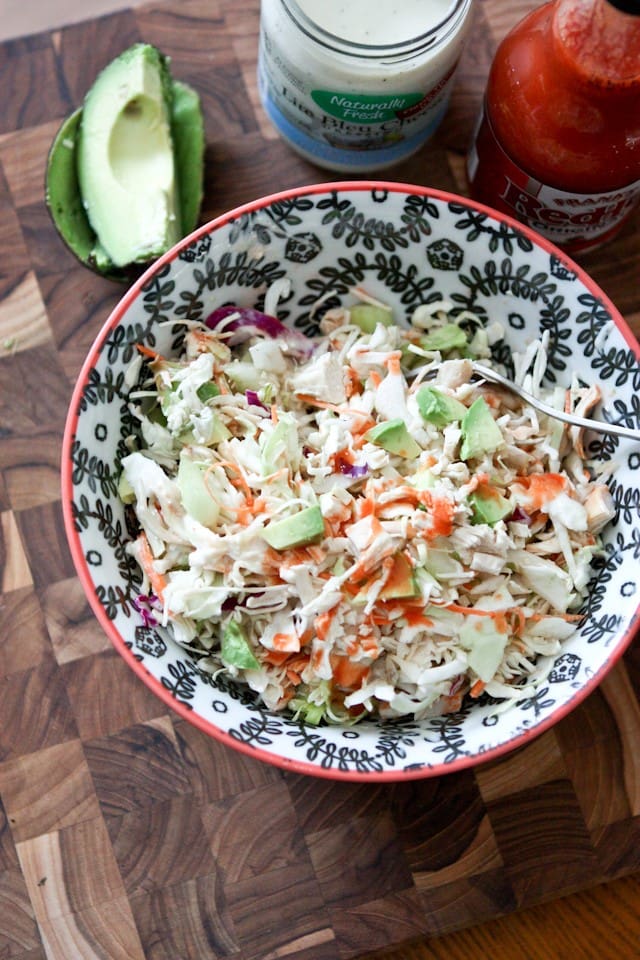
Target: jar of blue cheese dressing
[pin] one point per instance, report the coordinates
(358, 85)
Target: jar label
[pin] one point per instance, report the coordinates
(575, 221)
(365, 107)
(339, 126)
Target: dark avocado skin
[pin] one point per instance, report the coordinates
(62, 195)
(62, 189)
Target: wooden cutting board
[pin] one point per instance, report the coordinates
(124, 832)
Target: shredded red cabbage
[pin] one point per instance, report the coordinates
(520, 516)
(245, 322)
(353, 469)
(254, 400)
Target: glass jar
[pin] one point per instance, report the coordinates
(356, 92)
(558, 143)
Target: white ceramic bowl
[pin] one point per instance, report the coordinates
(407, 245)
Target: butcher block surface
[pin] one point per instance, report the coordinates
(125, 832)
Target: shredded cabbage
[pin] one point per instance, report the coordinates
(453, 545)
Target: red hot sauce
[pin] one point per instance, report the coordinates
(558, 144)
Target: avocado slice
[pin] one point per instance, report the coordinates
(126, 166)
(392, 435)
(298, 530)
(439, 408)
(480, 433)
(446, 338)
(64, 201)
(187, 132)
(489, 505)
(197, 499)
(401, 581)
(235, 650)
(367, 316)
(485, 645)
(64, 196)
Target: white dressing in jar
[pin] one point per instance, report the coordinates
(356, 86)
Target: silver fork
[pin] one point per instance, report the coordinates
(486, 373)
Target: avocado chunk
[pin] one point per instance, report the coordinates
(197, 500)
(298, 530)
(126, 166)
(400, 582)
(367, 316)
(392, 435)
(485, 645)
(446, 338)
(235, 650)
(480, 433)
(439, 408)
(489, 505)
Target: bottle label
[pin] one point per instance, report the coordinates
(338, 126)
(574, 221)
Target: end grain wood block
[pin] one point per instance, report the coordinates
(27, 67)
(544, 842)
(137, 766)
(48, 790)
(34, 710)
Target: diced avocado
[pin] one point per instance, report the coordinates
(126, 166)
(218, 432)
(187, 132)
(423, 479)
(243, 374)
(489, 505)
(392, 435)
(125, 490)
(197, 499)
(298, 530)
(281, 448)
(439, 408)
(367, 316)
(485, 645)
(447, 338)
(401, 581)
(480, 433)
(234, 648)
(206, 391)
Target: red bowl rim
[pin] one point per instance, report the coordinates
(82, 569)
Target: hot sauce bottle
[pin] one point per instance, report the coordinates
(558, 143)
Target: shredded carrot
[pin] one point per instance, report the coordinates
(285, 641)
(148, 352)
(322, 622)
(352, 384)
(157, 580)
(375, 379)
(236, 469)
(274, 413)
(346, 673)
(392, 363)
(477, 688)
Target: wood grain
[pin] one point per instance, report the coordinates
(126, 833)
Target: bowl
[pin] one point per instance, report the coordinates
(406, 245)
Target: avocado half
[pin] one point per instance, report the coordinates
(124, 178)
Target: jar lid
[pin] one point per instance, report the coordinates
(627, 6)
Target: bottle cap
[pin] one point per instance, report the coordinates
(627, 6)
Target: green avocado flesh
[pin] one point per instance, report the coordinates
(125, 172)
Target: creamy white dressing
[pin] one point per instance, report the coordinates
(389, 22)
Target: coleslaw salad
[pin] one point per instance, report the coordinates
(319, 522)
